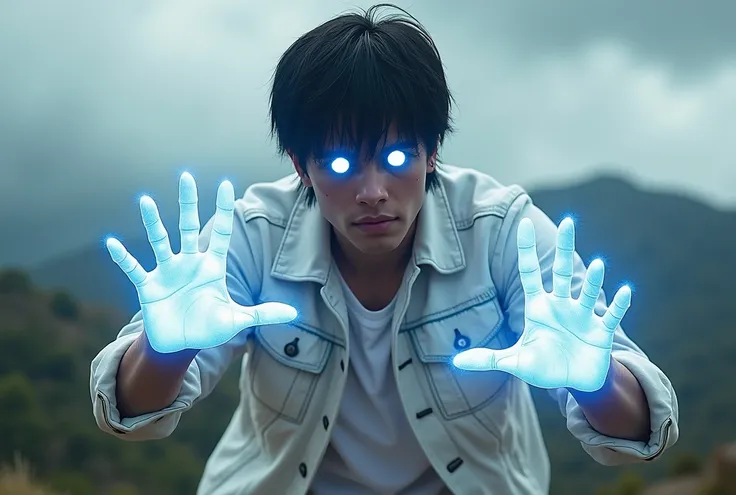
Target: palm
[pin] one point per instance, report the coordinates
(574, 345)
(564, 343)
(184, 301)
(182, 274)
(188, 293)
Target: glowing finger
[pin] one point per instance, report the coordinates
(188, 214)
(616, 311)
(529, 272)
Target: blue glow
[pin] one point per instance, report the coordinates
(184, 301)
(570, 216)
(340, 165)
(630, 285)
(600, 257)
(396, 158)
(140, 197)
(564, 343)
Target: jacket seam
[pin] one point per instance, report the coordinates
(498, 210)
(253, 213)
(446, 313)
(295, 363)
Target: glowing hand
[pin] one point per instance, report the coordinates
(184, 300)
(564, 343)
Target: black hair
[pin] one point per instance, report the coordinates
(351, 77)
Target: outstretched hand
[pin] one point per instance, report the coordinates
(184, 300)
(564, 343)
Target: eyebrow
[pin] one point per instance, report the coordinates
(403, 144)
(331, 151)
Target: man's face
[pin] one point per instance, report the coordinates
(371, 203)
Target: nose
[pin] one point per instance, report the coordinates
(372, 189)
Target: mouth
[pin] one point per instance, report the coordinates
(377, 225)
(375, 220)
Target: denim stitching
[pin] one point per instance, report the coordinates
(441, 358)
(253, 213)
(296, 363)
(440, 315)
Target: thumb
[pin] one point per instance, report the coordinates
(270, 313)
(483, 359)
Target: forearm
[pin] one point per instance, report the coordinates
(619, 409)
(148, 381)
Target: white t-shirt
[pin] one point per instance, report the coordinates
(373, 449)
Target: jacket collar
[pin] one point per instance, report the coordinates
(304, 253)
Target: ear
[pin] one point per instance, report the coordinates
(300, 169)
(432, 161)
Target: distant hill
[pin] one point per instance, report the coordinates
(678, 254)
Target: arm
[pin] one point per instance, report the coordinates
(620, 409)
(610, 423)
(138, 394)
(148, 381)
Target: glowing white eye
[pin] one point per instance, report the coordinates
(340, 165)
(396, 158)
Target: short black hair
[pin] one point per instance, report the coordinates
(353, 76)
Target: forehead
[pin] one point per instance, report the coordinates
(369, 142)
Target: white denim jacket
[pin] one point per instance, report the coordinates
(480, 431)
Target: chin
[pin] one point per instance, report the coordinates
(379, 245)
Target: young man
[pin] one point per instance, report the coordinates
(395, 264)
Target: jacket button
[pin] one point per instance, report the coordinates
(303, 470)
(424, 412)
(292, 348)
(325, 422)
(454, 464)
(461, 341)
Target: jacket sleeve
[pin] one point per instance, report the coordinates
(204, 372)
(659, 392)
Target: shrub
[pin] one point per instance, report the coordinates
(63, 306)
(14, 281)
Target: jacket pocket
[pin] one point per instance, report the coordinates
(285, 368)
(437, 338)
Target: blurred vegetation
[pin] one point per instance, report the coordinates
(47, 341)
(18, 480)
(628, 483)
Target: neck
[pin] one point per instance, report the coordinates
(353, 262)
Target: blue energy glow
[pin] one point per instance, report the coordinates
(184, 301)
(340, 165)
(396, 158)
(564, 343)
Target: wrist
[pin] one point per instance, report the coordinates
(185, 356)
(584, 398)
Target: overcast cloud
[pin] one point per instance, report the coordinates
(100, 102)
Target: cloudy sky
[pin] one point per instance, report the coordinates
(103, 101)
